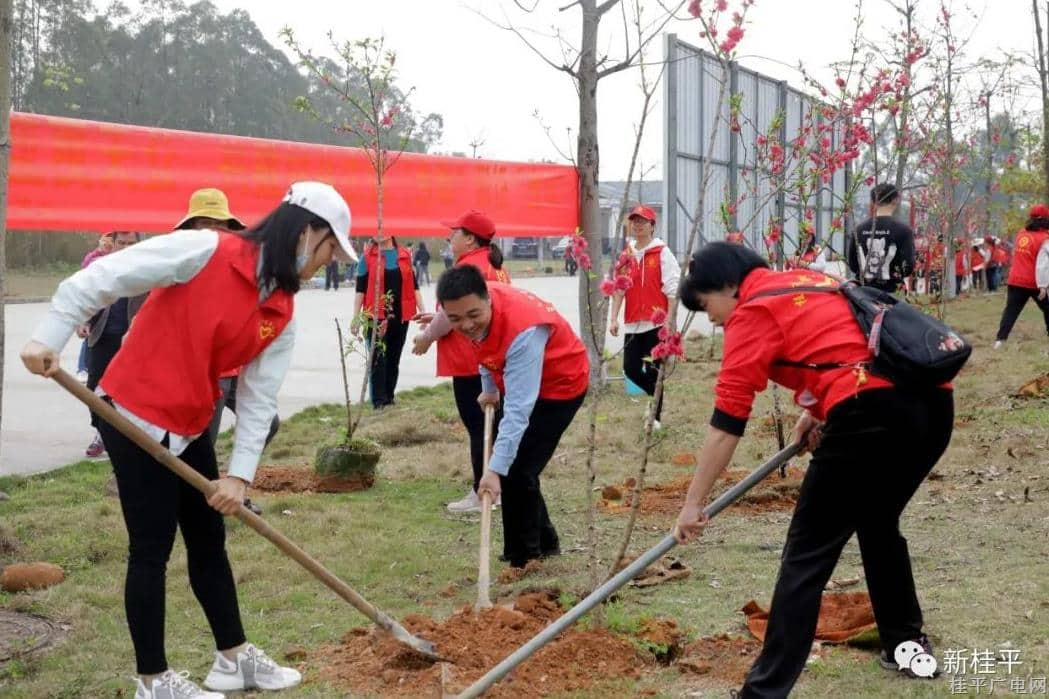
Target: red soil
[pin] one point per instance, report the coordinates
(283, 479)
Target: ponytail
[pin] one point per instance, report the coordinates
(495, 255)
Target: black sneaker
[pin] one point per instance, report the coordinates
(503, 558)
(889, 662)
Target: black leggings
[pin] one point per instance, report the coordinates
(1016, 297)
(466, 389)
(155, 502)
(876, 450)
(636, 347)
(98, 358)
(386, 366)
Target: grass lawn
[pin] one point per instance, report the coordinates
(979, 545)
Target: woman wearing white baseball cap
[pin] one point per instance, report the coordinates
(218, 300)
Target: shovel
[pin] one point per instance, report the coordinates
(286, 545)
(483, 574)
(622, 577)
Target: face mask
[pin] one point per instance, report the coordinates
(302, 259)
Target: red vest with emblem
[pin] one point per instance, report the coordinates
(816, 328)
(404, 263)
(646, 295)
(455, 353)
(187, 335)
(566, 367)
(1025, 255)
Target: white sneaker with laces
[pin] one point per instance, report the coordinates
(252, 670)
(173, 685)
(997, 344)
(470, 504)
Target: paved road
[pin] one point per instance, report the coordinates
(44, 428)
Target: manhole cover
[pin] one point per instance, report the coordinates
(25, 634)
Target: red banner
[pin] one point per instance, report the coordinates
(74, 175)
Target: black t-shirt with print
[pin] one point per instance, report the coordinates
(885, 254)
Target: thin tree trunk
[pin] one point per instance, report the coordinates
(1043, 77)
(903, 130)
(989, 184)
(6, 22)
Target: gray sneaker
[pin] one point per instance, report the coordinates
(173, 685)
(252, 670)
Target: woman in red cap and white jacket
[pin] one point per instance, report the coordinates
(471, 244)
(219, 300)
(1029, 273)
(654, 276)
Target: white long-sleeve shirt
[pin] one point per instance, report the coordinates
(1041, 266)
(164, 261)
(670, 273)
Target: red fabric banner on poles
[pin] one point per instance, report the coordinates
(75, 175)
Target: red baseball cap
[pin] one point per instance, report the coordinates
(1040, 211)
(643, 212)
(475, 223)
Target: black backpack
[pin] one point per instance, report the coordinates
(910, 348)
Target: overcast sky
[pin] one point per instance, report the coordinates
(487, 84)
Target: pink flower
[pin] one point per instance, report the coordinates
(608, 287)
(671, 346)
(584, 261)
(694, 9)
(722, 5)
(622, 282)
(659, 316)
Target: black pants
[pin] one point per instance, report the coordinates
(228, 399)
(1016, 297)
(466, 390)
(422, 272)
(98, 358)
(386, 366)
(155, 502)
(527, 530)
(636, 347)
(331, 276)
(876, 450)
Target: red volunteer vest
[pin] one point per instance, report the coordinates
(959, 264)
(1025, 255)
(646, 295)
(816, 329)
(976, 261)
(455, 354)
(404, 263)
(187, 335)
(566, 367)
(999, 255)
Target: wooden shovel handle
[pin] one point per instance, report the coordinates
(483, 573)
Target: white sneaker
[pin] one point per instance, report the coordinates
(997, 344)
(253, 670)
(173, 685)
(81, 376)
(657, 425)
(470, 504)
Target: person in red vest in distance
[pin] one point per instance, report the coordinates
(1029, 273)
(471, 243)
(655, 274)
(397, 282)
(998, 261)
(218, 300)
(872, 443)
(531, 360)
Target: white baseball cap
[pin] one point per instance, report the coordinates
(321, 199)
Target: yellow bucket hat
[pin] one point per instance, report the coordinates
(210, 203)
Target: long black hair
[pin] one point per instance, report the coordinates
(278, 238)
(716, 266)
(1037, 223)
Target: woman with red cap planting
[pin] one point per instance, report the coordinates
(654, 274)
(388, 291)
(1029, 273)
(869, 436)
(219, 300)
(471, 244)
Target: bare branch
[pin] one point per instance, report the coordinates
(521, 36)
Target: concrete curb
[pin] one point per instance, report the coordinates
(29, 299)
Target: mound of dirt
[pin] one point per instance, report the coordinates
(843, 617)
(723, 659)
(368, 661)
(19, 577)
(1037, 387)
(774, 494)
(285, 479)
(512, 575)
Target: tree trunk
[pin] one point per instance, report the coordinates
(1043, 77)
(591, 318)
(902, 133)
(6, 21)
(989, 184)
